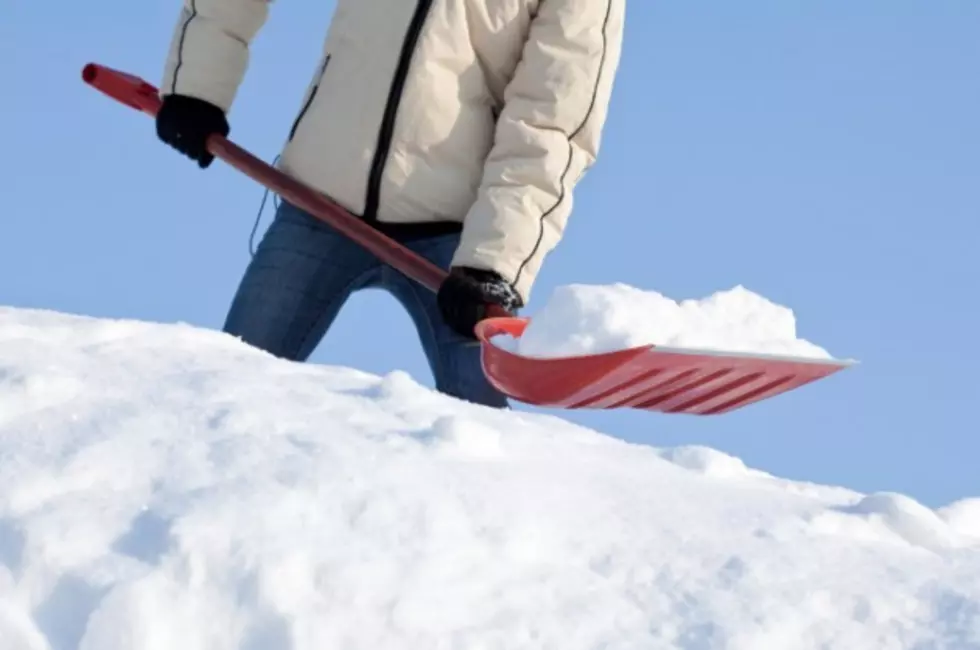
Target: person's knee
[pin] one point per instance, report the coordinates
(268, 313)
(255, 326)
(460, 374)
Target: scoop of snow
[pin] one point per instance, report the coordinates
(167, 487)
(587, 319)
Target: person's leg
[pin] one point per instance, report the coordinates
(301, 275)
(453, 359)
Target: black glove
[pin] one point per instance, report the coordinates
(464, 295)
(185, 123)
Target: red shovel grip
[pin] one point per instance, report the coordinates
(126, 88)
(143, 96)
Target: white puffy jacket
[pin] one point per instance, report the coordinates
(472, 114)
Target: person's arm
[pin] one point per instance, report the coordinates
(547, 136)
(209, 50)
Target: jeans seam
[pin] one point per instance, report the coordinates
(291, 251)
(343, 292)
(428, 324)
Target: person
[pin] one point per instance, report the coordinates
(460, 128)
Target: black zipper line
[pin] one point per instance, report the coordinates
(309, 100)
(391, 109)
(180, 47)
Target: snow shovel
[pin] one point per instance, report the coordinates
(651, 377)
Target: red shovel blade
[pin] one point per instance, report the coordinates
(652, 378)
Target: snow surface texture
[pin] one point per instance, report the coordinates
(165, 487)
(587, 319)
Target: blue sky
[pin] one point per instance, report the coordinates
(823, 154)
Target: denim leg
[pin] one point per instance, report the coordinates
(301, 275)
(453, 359)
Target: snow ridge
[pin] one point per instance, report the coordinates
(163, 486)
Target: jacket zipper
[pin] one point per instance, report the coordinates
(391, 110)
(309, 100)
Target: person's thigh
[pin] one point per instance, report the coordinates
(301, 275)
(454, 359)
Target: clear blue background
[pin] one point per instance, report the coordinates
(824, 154)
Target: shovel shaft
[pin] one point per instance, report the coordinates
(143, 96)
(386, 249)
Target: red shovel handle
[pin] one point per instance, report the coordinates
(143, 96)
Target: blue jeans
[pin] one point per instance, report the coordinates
(303, 272)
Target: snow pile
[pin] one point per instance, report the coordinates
(587, 319)
(164, 487)
(963, 516)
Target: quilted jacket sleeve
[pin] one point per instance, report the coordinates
(209, 50)
(547, 136)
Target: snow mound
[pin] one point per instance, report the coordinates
(963, 516)
(167, 487)
(588, 319)
(708, 462)
(892, 517)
